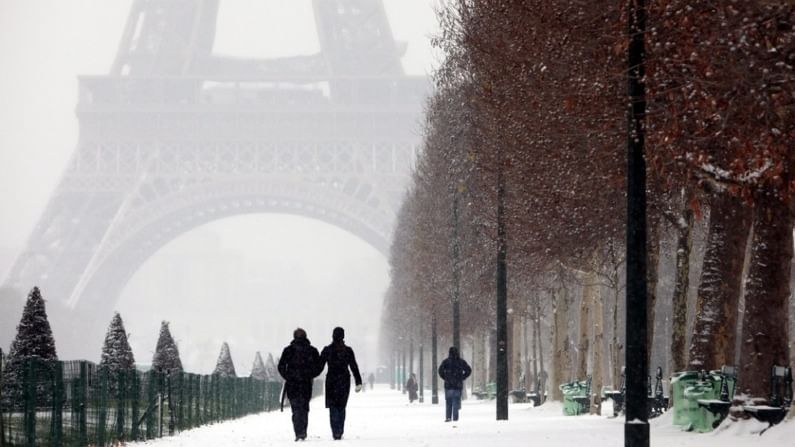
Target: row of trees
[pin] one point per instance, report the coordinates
(524, 150)
(35, 339)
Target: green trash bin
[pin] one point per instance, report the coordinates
(698, 418)
(708, 391)
(680, 381)
(575, 396)
(491, 390)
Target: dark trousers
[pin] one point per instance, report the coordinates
(300, 408)
(337, 419)
(452, 401)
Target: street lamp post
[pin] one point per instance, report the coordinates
(398, 370)
(392, 372)
(456, 272)
(502, 297)
(434, 362)
(403, 376)
(422, 375)
(636, 427)
(411, 356)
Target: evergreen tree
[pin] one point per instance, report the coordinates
(116, 352)
(258, 371)
(33, 340)
(271, 369)
(166, 356)
(224, 367)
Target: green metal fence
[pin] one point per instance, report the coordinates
(76, 404)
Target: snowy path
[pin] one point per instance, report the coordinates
(384, 418)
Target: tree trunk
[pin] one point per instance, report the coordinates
(562, 358)
(598, 347)
(765, 335)
(684, 245)
(714, 333)
(525, 384)
(492, 355)
(541, 376)
(615, 345)
(514, 350)
(653, 245)
(482, 377)
(583, 346)
(532, 384)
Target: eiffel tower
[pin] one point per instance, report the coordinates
(176, 136)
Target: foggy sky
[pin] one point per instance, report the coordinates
(46, 44)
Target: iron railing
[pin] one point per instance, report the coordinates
(74, 403)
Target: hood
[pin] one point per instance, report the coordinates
(453, 353)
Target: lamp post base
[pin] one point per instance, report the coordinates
(636, 434)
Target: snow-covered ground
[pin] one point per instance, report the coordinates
(384, 418)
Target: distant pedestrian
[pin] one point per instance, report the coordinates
(411, 387)
(340, 360)
(453, 370)
(371, 379)
(299, 365)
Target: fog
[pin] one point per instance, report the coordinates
(249, 279)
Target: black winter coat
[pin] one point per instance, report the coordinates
(454, 370)
(299, 365)
(411, 387)
(339, 358)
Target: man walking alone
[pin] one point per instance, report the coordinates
(298, 365)
(453, 370)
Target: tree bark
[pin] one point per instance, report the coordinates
(652, 277)
(598, 347)
(684, 246)
(492, 355)
(482, 377)
(525, 384)
(583, 346)
(531, 384)
(765, 332)
(515, 323)
(715, 330)
(562, 358)
(590, 345)
(541, 377)
(615, 346)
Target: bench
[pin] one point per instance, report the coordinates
(779, 400)
(519, 396)
(658, 402)
(535, 398)
(489, 393)
(617, 396)
(720, 407)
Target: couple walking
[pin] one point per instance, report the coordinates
(300, 363)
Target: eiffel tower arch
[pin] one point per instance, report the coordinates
(176, 136)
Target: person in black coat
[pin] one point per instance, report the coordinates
(299, 365)
(411, 387)
(453, 370)
(340, 359)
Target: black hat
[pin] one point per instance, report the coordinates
(338, 334)
(299, 333)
